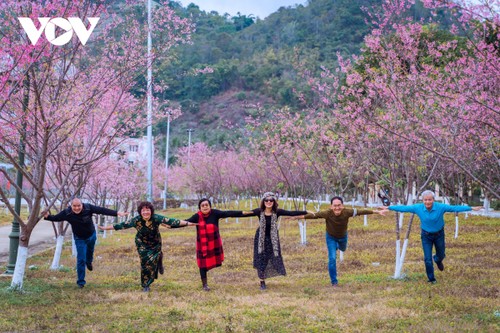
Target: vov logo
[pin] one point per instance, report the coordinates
(49, 25)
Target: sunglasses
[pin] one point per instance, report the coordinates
(268, 200)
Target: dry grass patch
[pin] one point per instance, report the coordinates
(368, 299)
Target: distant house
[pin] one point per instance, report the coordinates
(132, 150)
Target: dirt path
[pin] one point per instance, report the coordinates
(41, 239)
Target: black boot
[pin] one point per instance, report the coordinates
(263, 285)
(161, 270)
(205, 285)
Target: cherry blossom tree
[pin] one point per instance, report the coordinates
(436, 89)
(427, 98)
(66, 104)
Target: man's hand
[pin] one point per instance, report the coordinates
(382, 210)
(122, 214)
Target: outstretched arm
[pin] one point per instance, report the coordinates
(381, 210)
(311, 215)
(61, 216)
(253, 212)
(175, 223)
(282, 212)
(228, 213)
(108, 227)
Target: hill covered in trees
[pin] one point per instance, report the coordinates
(254, 63)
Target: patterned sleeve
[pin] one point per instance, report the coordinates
(174, 223)
(127, 224)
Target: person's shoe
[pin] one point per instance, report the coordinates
(335, 284)
(89, 266)
(206, 287)
(263, 285)
(440, 266)
(81, 286)
(432, 281)
(145, 289)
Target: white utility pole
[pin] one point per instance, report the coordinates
(166, 160)
(150, 110)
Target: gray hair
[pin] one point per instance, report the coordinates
(427, 193)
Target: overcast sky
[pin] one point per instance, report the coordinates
(259, 8)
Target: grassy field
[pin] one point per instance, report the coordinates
(465, 299)
(6, 218)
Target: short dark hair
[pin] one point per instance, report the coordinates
(204, 199)
(145, 204)
(337, 198)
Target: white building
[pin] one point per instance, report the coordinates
(132, 150)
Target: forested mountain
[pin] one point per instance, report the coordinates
(254, 63)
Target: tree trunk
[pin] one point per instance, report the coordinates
(405, 245)
(57, 253)
(18, 276)
(398, 249)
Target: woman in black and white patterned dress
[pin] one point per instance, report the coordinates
(267, 259)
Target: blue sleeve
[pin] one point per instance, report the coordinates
(403, 209)
(455, 208)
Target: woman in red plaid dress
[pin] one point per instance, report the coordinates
(209, 252)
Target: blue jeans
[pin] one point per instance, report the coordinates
(84, 254)
(428, 240)
(333, 244)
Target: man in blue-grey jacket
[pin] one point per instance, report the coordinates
(432, 224)
(79, 215)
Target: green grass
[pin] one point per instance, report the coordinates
(465, 299)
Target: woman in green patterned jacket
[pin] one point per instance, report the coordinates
(148, 239)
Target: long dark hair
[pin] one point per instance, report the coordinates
(146, 204)
(263, 206)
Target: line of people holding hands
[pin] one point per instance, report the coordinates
(267, 259)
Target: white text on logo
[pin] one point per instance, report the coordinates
(49, 25)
